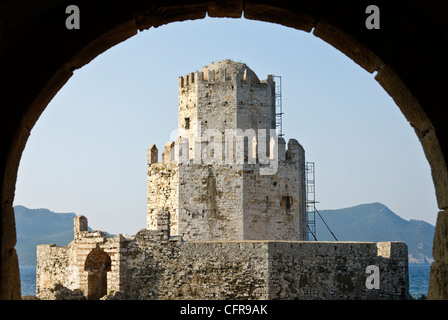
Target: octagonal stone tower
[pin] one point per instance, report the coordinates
(228, 176)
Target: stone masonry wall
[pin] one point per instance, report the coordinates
(336, 270)
(225, 95)
(211, 202)
(230, 201)
(159, 267)
(220, 189)
(275, 204)
(197, 270)
(393, 261)
(261, 270)
(153, 265)
(256, 102)
(78, 274)
(68, 267)
(51, 268)
(162, 191)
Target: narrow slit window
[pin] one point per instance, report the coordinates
(286, 202)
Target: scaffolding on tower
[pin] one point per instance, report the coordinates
(311, 210)
(278, 105)
(310, 200)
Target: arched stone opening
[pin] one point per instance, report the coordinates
(38, 55)
(97, 264)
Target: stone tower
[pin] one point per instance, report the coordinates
(227, 179)
(228, 176)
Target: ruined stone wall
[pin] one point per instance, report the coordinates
(162, 191)
(68, 266)
(153, 265)
(114, 248)
(52, 263)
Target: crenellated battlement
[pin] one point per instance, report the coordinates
(236, 150)
(210, 75)
(189, 79)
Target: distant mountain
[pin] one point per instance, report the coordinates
(40, 226)
(366, 222)
(375, 222)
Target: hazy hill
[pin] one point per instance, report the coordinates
(40, 226)
(375, 222)
(366, 222)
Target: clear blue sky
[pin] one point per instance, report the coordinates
(87, 152)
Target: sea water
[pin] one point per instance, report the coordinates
(418, 280)
(28, 280)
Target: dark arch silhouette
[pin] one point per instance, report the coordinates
(38, 54)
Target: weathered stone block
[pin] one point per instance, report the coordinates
(438, 282)
(440, 247)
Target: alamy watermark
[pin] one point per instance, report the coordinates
(73, 20)
(233, 146)
(373, 20)
(373, 280)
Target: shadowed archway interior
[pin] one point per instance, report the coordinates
(97, 264)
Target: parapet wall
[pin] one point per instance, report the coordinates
(171, 269)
